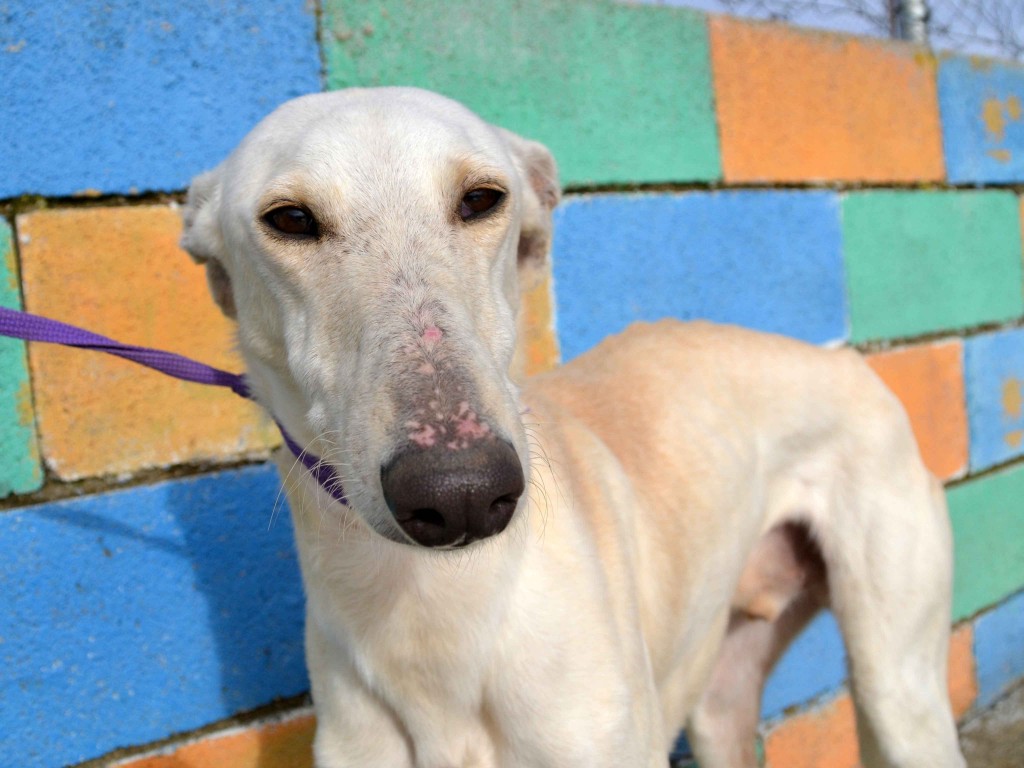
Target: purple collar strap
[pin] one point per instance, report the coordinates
(22, 325)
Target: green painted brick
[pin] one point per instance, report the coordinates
(919, 262)
(618, 93)
(988, 540)
(19, 468)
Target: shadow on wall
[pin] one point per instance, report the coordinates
(239, 539)
(133, 615)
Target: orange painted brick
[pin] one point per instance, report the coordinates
(822, 738)
(287, 744)
(795, 105)
(119, 272)
(538, 346)
(929, 381)
(963, 680)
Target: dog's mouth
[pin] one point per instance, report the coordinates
(446, 499)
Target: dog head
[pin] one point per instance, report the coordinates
(368, 243)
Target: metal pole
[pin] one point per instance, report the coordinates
(908, 20)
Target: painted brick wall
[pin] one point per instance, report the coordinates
(135, 95)
(20, 470)
(715, 168)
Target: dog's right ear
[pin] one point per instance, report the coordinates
(202, 237)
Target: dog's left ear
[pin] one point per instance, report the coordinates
(202, 238)
(540, 174)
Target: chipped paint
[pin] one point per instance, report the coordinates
(1013, 108)
(982, 121)
(1012, 398)
(13, 283)
(992, 117)
(994, 374)
(925, 58)
(1013, 406)
(980, 63)
(996, 113)
(23, 404)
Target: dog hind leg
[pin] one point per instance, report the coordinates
(781, 589)
(889, 569)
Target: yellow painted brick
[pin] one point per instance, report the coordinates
(795, 105)
(538, 347)
(929, 381)
(276, 745)
(119, 272)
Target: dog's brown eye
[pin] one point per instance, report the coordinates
(478, 201)
(292, 220)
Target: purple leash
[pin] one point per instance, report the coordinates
(22, 325)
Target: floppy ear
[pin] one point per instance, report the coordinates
(540, 173)
(202, 237)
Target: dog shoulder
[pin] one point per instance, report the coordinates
(725, 375)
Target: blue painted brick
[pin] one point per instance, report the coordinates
(999, 649)
(681, 750)
(124, 95)
(813, 665)
(767, 260)
(982, 105)
(994, 373)
(128, 616)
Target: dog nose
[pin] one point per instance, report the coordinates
(445, 498)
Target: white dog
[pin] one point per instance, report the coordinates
(566, 574)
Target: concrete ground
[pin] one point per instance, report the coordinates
(995, 738)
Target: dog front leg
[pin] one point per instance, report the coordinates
(355, 728)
